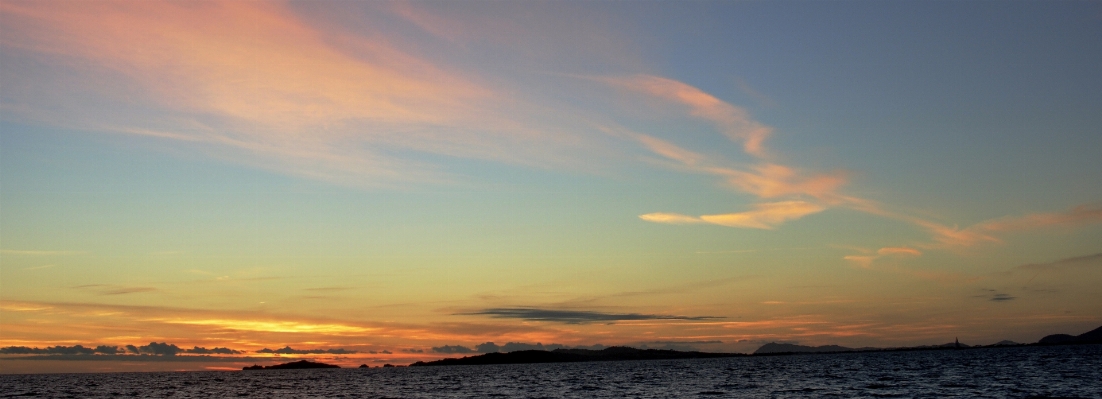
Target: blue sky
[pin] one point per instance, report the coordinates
(377, 175)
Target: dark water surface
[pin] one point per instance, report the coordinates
(1067, 371)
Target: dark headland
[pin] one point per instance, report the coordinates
(771, 349)
(574, 355)
(301, 364)
(1091, 337)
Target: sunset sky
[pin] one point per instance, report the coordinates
(389, 181)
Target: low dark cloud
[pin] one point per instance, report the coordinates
(52, 350)
(576, 316)
(413, 350)
(213, 351)
(520, 346)
(487, 347)
(452, 349)
(995, 296)
(136, 358)
(287, 350)
(685, 346)
(154, 348)
(490, 347)
(127, 290)
(1063, 264)
(108, 350)
(109, 289)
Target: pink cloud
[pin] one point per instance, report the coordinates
(866, 259)
(886, 251)
(1079, 215)
(670, 218)
(252, 82)
(764, 216)
(732, 121)
(987, 231)
(773, 180)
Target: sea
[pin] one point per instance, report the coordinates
(1014, 372)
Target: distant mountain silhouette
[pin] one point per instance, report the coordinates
(301, 364)
(1090, 337)
(774, 347)
(574, 355)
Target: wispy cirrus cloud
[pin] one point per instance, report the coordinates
(671, 218)
(764, 180)
(284, 326)
(805, 191)
(277, 92)
(988, 232)
(732, 121)
(866, 259)
(1063, 264)
(24, 252)
(127, 290)
(575, 316)
(287, 350)
(111, 289)
(1078, 215)
(764, 216)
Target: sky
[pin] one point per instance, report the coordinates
(387, 182)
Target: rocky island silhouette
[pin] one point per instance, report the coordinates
(301, 364)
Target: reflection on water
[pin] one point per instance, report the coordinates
(1069, 371)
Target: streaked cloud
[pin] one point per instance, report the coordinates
(765, 215)
(995, 296)
(14, 306)
(774, 180)
(287, 350)
(25, 252)
(1078, 215)
(276, 93)
(771, 180)
(949, 237)
(452, 349)
(111, 289)
(1076, 262)
(271, 326)
(732, 121)
(671, 218)
(868, 257)
(765, 180)
(576, 316)
(127, 290)
(898, 251)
